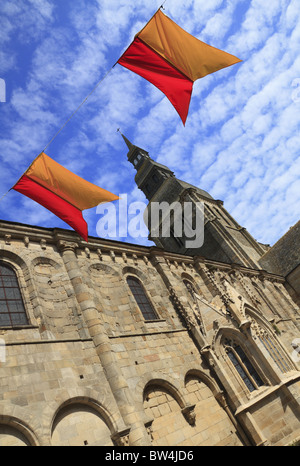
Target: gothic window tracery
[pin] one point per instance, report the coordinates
(243, 365)
(12, 311)
(141, 298)
(271, 346)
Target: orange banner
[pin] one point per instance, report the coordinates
(61, 192)
(70, 187)
(172, 60)
(190, 55)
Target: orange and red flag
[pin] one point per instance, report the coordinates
(172, 59)
(62, 192)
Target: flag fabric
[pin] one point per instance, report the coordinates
(62, 192)
(172, 59)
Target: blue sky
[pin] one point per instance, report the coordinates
(241, 140)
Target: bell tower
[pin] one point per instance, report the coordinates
(150, 175)
(224, 239)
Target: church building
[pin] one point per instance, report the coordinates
(108, 343)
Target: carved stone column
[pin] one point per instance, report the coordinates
(120, 390)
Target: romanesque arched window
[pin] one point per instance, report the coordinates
(243, 365)
(141, 298)
(12, 311)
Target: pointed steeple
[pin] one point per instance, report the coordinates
(136, 155)
(224, 239)
(150, 174)
(127, 142)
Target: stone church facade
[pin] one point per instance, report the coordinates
(110, 343)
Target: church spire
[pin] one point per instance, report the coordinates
(224, 239)
(127, 142)
(136, 155)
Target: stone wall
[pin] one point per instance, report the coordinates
(88, 369)
(284, 259)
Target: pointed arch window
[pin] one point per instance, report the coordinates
(276, 355)
(243, 365)
(141, 298)
(272, 347)
(12, 311)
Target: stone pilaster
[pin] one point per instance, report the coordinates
(138, 435)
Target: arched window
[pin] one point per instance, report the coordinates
(271, 346)
(12, 311)
(243, 365)
(141, 298)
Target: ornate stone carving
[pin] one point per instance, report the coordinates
(7, 239)
(189, 414)
(248, 289)
(220, 397)
(205, 349)
(67, 246)
(121, 438)
(195, 307)
(214, 278)
(149, 428)
(188, 318)
(234, 301)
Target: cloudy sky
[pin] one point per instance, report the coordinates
(241, 140)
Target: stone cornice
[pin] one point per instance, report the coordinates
(57, 236)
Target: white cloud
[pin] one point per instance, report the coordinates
(257, 120)
(241, 139)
